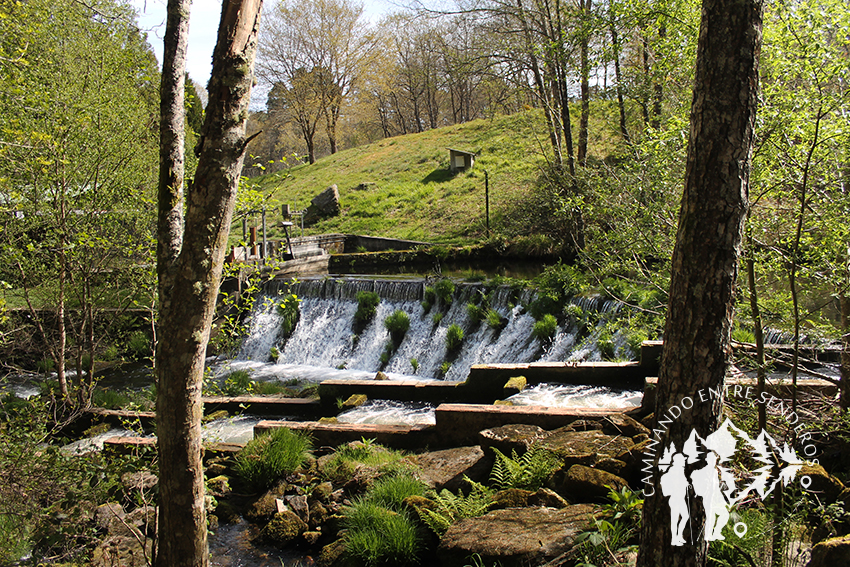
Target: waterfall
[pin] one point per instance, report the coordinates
(324, 336)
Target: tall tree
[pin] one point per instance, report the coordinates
(697, 331)
(190, 260)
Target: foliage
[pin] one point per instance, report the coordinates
(46, 494)
(494, 319)
(451, 508)
(288, 309)
(529, 471)
(345, 459)
(391, 490)
(544, 329)
(397, 324)
(267, 458)
(233, 308)
(379, 536)
(139, 346)
(615, 531)
(454, 338)
(367, 304)
(444, 290)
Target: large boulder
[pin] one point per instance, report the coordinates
(323, 205)
(284, 528)
(513, 437)
(447, 468)
(585, 447)
(514, 536)
(586, 484)
(831, 553)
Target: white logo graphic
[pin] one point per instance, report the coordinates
(714, 483)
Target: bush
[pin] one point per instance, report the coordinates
(397, 324)
(495, 320)
(139, 346)
(445, 289)
(237, 383)
(45, 365)
(436, 318)
(110, 353)
(430, 295)
(289, 310)
(454, 338)
(543, 305)
(476, 312)
(267, 458)
(367, 305)
(544, 329)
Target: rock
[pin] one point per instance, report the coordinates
(831, 553)
(511, 498)
(613, 466)
(824, 484)
(323, 491)
(587, 484)
(332, 555)
(105, 513)
(355, 400)
(447, 468)
(381, 376)
(298, 504)
(227, 513)
(139, 481)
(219, 486)
(123, 551)
(328, 420)
(325, 204)
(622, 424)
(514, 537)
(503, 403)
(283, 528)
(139, 522)
(508, 438)
(262, 509)
(548, 498)
(318, 514)
(312, 538)
(584, 425)
(220, 414)
(585, 447)
(514, 385)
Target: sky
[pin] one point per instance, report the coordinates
(203, 27)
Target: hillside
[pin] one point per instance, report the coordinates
(409, 192)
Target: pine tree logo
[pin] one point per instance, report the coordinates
(714, 482)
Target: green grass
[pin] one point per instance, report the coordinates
(454, 338)
(413, 195)
(267, 458)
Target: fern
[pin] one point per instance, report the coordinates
(451, 508)
(529, 471)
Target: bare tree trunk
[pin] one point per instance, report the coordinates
(697, 332)
(615, 46)
(187, 305)
(584, 48)
(758, 331)
(845, 350)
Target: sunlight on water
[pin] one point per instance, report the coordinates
(388, 412)
(577, 396)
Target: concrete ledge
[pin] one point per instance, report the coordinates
(627, 375)
(118, 417)
(127, 444)
(781, 388)
(460, 423)
(333, 434)
(401, 390)
(259, 405)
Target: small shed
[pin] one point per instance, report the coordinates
(460, 160)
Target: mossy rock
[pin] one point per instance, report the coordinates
(284, 528)
(355, 400)
(586, 484)
(514, 385)
(227, 513)
(220, 414)
(265, 507)
(511, 498)
(831, 552)
(333, 555)
(328, 420)
(503, 403)
(218, 486)
(824, 484)
(381, 376)
(420, 503)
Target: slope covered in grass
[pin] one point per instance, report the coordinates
(409, 192)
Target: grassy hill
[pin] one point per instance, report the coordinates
(410, 192)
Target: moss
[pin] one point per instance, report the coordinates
(515, 385)
(503, 403)
(220, 414)
(328, 420)
(284, 528)
(355, 400)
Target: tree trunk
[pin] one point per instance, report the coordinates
(697, 331)
(187, 310)
(758, 331)
(845, 350)
(615, 47)
(585, 81)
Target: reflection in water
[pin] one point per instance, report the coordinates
(235, 545)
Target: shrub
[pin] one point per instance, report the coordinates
(476, 312)
(109, 399)
(544, 329)
(397, 324)
(430, 295)
(237, 382)
(445, 289)
(436, 318)
(267, 458)
(494, 319)
(110, 353)
(367, 305)
(444, 367)
(543, 305)
(454, 338)
(139, 346)
(289, 310)
(45, 365)
(341, 466)
(415, 364)
(605, 344)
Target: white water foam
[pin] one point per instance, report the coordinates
(577, 396)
